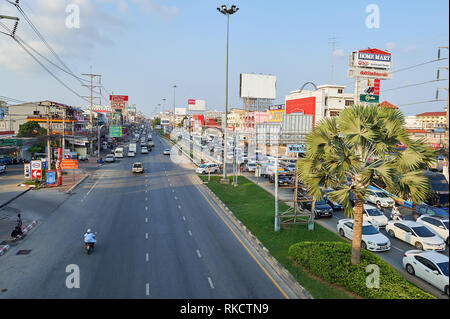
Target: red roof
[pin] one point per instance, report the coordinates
(387, 104)
(374, 51)
(417, 131)
(432, 114)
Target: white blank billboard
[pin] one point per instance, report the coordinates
(260, 86)
(180, 111)
(196, 105)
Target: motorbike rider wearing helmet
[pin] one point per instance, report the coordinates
(395, 214)
(89, 237)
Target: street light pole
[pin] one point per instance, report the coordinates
(224, 10)
(174, 87)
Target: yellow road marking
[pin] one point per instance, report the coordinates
(248, 250)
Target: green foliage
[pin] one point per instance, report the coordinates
(331, 262)
(31, 129)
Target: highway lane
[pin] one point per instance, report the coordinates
(150, 244)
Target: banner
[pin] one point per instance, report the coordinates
(118, 101)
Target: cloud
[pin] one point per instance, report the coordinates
(410, 48)
(153, 7)
(339, 52)
(390, 45)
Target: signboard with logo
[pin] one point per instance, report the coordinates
(275, 115)
(369, 73)
(36, 169)
(69, 164)
(370, 90)
(196, 105)
(51, 178)
(118, 101)
(368, 98)
(372, 58)
(27, 170)
(296, 148)
(115, 131)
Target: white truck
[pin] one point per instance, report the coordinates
(132, 147)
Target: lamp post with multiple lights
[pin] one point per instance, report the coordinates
(226, 11)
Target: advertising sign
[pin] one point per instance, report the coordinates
(115, 131)
(69, 164)
(118, 101)
(372, 58)
(196, 105)
(180, 111)
(368, 98)
(276, 115)
(36, 169)
(370, 90)
(296, 148)
(51, 178)
(257, 86)
(369, 73)
(27, 170)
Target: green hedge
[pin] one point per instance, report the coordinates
(331, 262)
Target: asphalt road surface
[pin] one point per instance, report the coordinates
(158, 237)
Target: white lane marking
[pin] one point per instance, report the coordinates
(198, 254)
(173, 191)
(184, 218)
(146, 198)
(146, 208)
(94, 185)
(146, 235)
(179, 206)
(146, 219)
(190, 233)
(146, 257)
(397, 248)
(147, 289)
(210, 282)
(146, 191)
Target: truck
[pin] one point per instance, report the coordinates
(132, 147)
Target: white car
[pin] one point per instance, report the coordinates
(208, 167)
(144, 150)
(251, 167)
(130, 154)
(436, 225)
(2, 168)
(414, 234)
(371, 239)
(166, 151)
(374, 216)
(110, 158)
(137, 168)
(379, 198)
(430, 266)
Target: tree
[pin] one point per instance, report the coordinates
(156, 121)
(31, 129)
(358, 148)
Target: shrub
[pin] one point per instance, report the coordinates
(331, 262)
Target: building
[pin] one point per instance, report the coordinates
(432, 120)
(412, 122)
(236, 119)
(326, 101)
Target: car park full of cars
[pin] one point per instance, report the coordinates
(371, 238)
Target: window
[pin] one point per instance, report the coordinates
(349, 225)
(348, 102)
(334, 113)
(340, 91)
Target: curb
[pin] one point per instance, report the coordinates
(26, 230)
(14, 198)
(78, 183)
(4, 250)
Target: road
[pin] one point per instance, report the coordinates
(158, 237)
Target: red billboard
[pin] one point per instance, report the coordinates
(118, 101)
(305, 105)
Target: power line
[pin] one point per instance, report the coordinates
(429, 101)
(415, 84)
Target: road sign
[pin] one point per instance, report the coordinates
(51, 178)
(36, 169)
(69, 164)
(115, 131)
(27, 170)
(36, 174)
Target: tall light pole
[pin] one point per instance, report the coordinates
(174, 87)
(224, 10)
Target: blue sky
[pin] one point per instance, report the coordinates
(143, 47)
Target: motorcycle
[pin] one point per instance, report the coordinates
(89, 247)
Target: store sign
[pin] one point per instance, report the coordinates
(369, 98)
(51, 178)
(36, 169)
(69, 164)
(27, 170)
(118, 101)
(275, 115)
(372, 58)
(369, 73)
(296, 148)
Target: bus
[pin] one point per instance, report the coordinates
(118, 152)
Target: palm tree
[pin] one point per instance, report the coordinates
(358, 148)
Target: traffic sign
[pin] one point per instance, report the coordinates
(36, 174)
(27, 170)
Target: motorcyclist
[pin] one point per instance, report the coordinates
(89, 237)
(395, 214)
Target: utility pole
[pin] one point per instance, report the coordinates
(91, 86)
(64, 132)
(446, 142)
(333, 43)
(48, 138)
(174, 87)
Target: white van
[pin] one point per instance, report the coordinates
(118, 152)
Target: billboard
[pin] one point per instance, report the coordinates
(196, 105)
(118, 101)
(180, 111)
(372, 58)
(275, 115)
(260, 86)
(370, 90)
(115, 131)
(369, 73)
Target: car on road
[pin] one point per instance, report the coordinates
(431, 266)
(83, 158)
(144, 150)
(424, 209)
(131, 154)
(208, 167)
(414, 234)
(110, 158)
(374, 216)
(379, 198)
(321, 208)
(166, 151)
(2, 168)
(436, 225)
(137, 168)
(333, 204)
(371, 238)
(250, 167)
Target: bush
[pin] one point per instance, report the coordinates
(331, 262)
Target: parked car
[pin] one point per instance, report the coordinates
(5, 160)
(166, 151)
(329, 201)
(83, 158)
(284, 180)
(379, 198)
(374, 216)
(424, 209)
(321, 207)
(144, 150)
(137, 168)
(371, 238)
(250, 167)
(110, 158)
(415, 234)
(436, 225)
(2, 168)
(204, 168)
(431, 266)
(131, 154)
